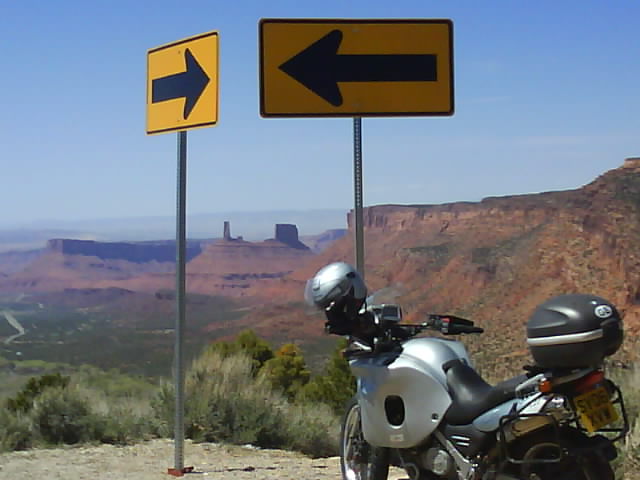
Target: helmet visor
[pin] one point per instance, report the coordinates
(308, 294)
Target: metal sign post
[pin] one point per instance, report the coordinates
(182, 94)
(357, 188)
(181, 240)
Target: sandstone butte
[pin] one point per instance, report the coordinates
(492, 261)
(227, 266)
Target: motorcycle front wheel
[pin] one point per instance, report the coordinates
(358, 459)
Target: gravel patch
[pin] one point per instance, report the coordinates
(150, 461)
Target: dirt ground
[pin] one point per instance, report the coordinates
(150, 461)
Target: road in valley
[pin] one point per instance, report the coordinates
(15, 324)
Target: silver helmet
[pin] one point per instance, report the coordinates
(333, 282)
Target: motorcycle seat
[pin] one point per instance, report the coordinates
(471, 395)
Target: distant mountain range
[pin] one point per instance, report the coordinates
(228, 265)
(493, 261)
(251, 226)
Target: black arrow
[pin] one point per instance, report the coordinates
(319, 67)
(189, 84)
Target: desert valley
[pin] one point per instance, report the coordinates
(111, 304)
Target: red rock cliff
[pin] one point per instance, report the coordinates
(495, 260)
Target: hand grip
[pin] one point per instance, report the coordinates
(452, 325)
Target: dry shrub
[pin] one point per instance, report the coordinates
(226, 402)
(313, 429)
(122, 420)
(15, 431)
(630, 454)
(68, 413)
(63, 415)
(629, 382)
(627, 464)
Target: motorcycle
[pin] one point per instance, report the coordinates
(420, 405)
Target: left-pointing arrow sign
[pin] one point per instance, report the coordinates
(188, 85)
(320, 68)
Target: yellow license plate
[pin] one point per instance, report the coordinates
(595, 409)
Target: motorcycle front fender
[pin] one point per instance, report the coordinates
(401, 402)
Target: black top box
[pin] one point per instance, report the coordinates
(572, 331)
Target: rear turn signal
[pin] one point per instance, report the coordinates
(587, 383)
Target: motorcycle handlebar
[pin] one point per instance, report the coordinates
(451, 325)
(463, 329)
(364, 326)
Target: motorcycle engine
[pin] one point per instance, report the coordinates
(438, 461)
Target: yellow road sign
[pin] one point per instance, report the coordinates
(182, 84)
(346, 68)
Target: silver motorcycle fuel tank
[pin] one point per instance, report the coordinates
(403, 396)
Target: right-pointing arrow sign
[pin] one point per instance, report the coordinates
(182, 84)
(320, 67)
(188, 84)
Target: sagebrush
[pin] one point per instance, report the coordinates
(226, 401)
(241, 393)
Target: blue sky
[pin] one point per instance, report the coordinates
(547, 98)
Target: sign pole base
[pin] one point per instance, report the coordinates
(179, 472)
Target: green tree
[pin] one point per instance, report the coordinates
(248, 343)
(335, 387)
(23, 401)
(287, 371)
